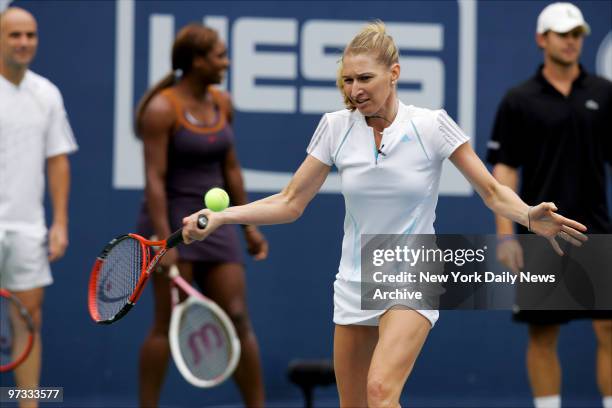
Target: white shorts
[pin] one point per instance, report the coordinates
(23, 260)
(347, 306)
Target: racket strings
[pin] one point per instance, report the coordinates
(118, 276)
(6, 332)
(10, 328)
(204, 342)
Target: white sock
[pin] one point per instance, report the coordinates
(550, 401)
(607, 401)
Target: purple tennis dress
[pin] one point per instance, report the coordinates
(195, 164)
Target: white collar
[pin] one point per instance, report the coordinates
(25, 81)
(402, 112)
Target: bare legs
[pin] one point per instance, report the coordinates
(27, 374)
(543, 365)
(372, 364)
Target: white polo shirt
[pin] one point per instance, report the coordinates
(33, 127)
(393, 192)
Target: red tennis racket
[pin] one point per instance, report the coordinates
(12, 312)
(122, 270)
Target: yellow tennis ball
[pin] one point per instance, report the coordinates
(216, 199)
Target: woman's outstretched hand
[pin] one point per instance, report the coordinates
(544, 221)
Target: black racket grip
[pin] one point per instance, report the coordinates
(175, 239)
(177, 236)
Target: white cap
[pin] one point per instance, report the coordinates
(561, 18)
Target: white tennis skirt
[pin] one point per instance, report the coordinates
(347, 306)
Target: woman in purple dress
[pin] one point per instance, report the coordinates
(185, 124)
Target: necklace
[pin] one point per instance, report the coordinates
(383, 118)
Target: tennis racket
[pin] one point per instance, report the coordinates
(203, 341)
(10, 358)
(121, 271)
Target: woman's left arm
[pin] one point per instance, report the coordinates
(503, 201)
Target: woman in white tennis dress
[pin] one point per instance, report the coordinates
(389, 157)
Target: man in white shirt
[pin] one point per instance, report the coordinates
(34, 131)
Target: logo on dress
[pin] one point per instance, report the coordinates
(405, 138)
(591, 104)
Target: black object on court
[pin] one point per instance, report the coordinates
(307, 374)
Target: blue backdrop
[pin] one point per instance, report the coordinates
(470, 54)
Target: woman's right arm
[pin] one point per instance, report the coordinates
(284, 207)
(155, 128)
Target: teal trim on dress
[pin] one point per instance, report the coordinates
(375, 152)
(356, 242)
(343, 140)
(410, 227)
(420, 141)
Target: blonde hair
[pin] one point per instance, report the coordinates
(373, 38)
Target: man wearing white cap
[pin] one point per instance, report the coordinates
(557, 128)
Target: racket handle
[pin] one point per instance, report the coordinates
(175, 239)
(202, 221)
(177, 236)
